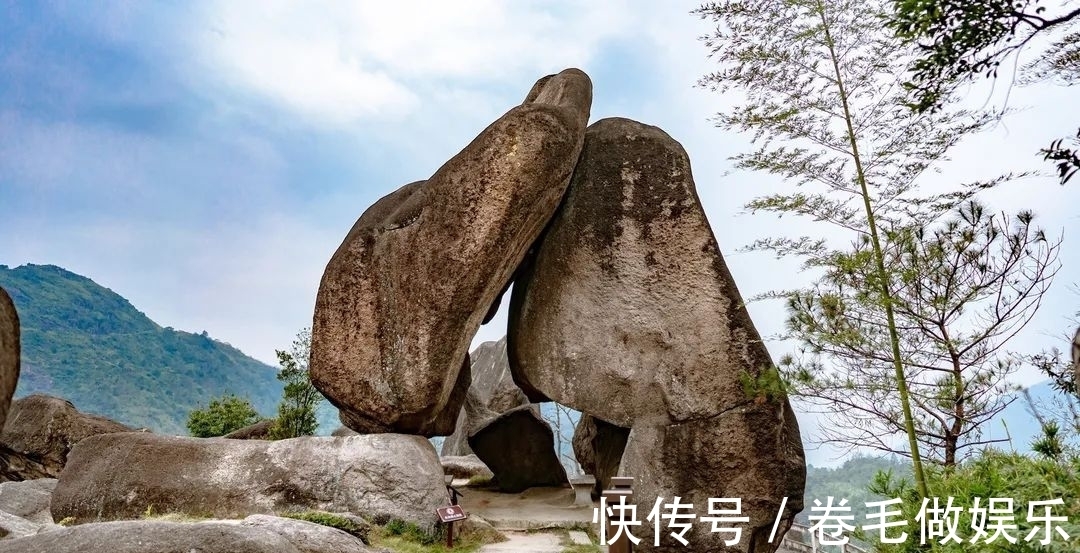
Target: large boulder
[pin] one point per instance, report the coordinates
(257, 534)
(402, 297)
(118, 476)
(9, 353)
(628, 311)
(40, 431)
(752, 452)
(492, 388)
(519, 448)
(28, 499)
(598, 447)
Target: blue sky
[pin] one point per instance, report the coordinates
(204, 159)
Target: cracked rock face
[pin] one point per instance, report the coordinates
(402, 297)
(9, 353)
(628, 311)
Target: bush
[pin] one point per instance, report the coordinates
(223, 415)
(994, 474)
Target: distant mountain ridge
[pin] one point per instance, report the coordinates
(85, 343)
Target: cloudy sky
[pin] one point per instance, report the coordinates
(204, 159)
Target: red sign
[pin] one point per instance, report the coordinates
(451, 513)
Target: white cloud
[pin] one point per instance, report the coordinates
(346, 62)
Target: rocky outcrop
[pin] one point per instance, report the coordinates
(628, 311)
(492, 380)
(753, 452)
(402, 297)
(519, 448)
(256, 534)
(9, 353)
(378, 475)
(28, 499)
(39, 433)
(598, 447)
(257, 431)
(465, 466)
(492, 392)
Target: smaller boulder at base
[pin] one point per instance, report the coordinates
(119, 476)
(519, 448)
(598, 447)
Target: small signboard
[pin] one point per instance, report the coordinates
(451, 513)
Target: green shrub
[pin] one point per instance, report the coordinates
(993, 474)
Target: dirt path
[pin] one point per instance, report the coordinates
(522, 542)
(536, 508)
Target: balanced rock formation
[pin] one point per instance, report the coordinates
(118, 476)
(492, 388)
(598, 448)
(40, 431)
(255, 534)
(627, 312)
(9, 353)
(402, 297)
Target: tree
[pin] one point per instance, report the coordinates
(296, 412)
(824, 102)
(962, 290)
(959, 40)
(221, 416)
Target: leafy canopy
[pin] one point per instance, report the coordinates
(222, 416)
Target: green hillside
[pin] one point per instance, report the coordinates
(85, 343)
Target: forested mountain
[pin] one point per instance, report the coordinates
(86, 343)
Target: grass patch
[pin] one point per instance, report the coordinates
(331, 520)
(405, 537)
(172, 516)
(481, 481)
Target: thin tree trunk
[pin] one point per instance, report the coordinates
(894, 338)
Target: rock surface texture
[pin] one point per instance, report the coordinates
(402, 297)
(627, 312)
(9, 353)
(255, 534)
(118, 476)
(28, 499)
(40, 431)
